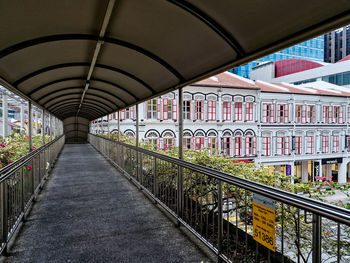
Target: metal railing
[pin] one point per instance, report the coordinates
(20, 182)
(217, 208)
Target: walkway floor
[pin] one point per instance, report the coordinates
(88, 212)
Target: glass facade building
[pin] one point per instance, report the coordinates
(312, 49)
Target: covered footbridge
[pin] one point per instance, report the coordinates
(81, 60)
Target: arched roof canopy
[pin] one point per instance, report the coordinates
(113, 54)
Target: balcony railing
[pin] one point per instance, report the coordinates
(217, 208)
(20, 182)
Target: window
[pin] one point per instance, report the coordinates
(335, 143)
(311, 114)
(152, 109)
(250, 145)
(309, 144)
(187, 109)
(174, 110)
(199, 110)
(122, 115)
(212, 143)
(266, 146)
(249, 111)
(327, 114)
(238, 111)
(227, 149)
(188, 141)
(298, 145)
(283, 145)
(283, 113)
(167, 109)
(348, 114)
(268, 114)
(227, 110)
(298, 113)
(339, 114)
(198, 143)
(325, 143)
(129, 113)
(238, 146)
(168, 140)
(153, 140)
(211, 110)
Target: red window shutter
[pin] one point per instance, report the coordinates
(122, 115)
(213, 103)
(174, 109)
(159, 109)
(202, 110)
(272, 113)
(247, 144)
(286, 113)
(264, 113)
(165, 109)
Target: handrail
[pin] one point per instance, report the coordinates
(219, 209)
(20, 185)
(315, 206)
(8, 169)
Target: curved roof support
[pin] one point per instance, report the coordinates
(74, 100)
(46, 85)
(89, 116)
(212, 24)
(68, 88)
(42, 40)
(77, 93)
(83, 64)
(75, 106)
(48, 104)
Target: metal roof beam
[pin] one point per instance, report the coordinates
(105, 22)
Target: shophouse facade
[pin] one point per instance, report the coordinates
(298, 130)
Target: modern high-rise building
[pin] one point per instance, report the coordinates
(337, 44)
(312, 49)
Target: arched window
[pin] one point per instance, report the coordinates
(212, 142)
(168, 140)
(266, 144)
(227, 144)
(250, 143)
(199, 141)
(188, 140)
(238, 143)
(153, 140)
(130, 134)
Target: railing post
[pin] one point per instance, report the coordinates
(43, 125)
(30, 124)
(4, 215)
(137, 143)
(316, 238)
(5, 128)
(118, 126)
(155, 177)
(180, 168)
(220, 221)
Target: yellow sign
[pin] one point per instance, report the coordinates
(264, 220)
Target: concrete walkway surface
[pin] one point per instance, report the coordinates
(88, 212)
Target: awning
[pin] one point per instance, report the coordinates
(97, 56)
